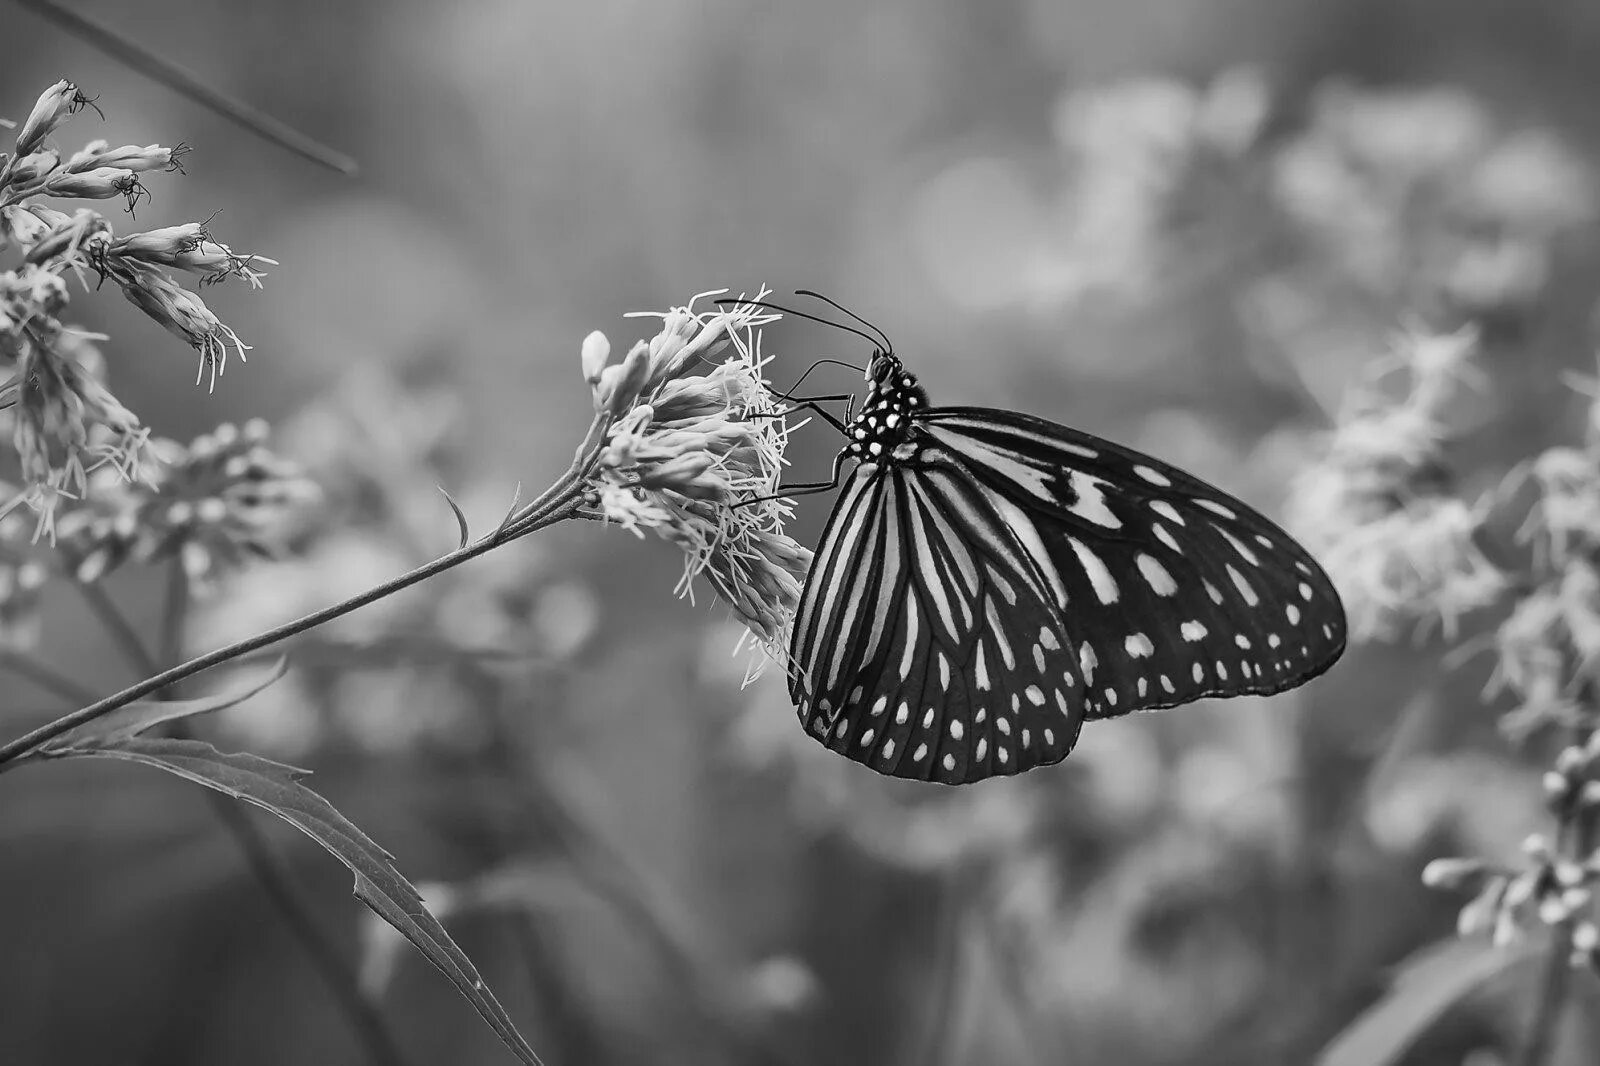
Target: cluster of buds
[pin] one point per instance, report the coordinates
(62, 418)
(66, 423)
(99, 171)
(215, 503)
(1380, 509)
(692, 453)
(1549, 890)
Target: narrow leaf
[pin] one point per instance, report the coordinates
(461, 519)
(129, 721)
(275, 787)
(511, 514)
(1426, 985)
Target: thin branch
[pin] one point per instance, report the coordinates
(184, 82)
(118, 627)
(562, 506)
(46, 676)
(266, 865)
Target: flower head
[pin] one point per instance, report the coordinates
(1380, 510)
(219, 500)
(54, 106)
(181, 313)
(67, 424)
(694, 456)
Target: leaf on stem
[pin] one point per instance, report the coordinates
(276, 788)
(461, 518)
(511, 514)
(127, 722)
(1425, 986)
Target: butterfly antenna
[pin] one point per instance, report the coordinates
(789, 394)
(869, 338)
(836, 305)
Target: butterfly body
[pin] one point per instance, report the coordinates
(989, 580)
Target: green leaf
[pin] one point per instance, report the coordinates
(276, 788)
(135, 718)
(1426, 985)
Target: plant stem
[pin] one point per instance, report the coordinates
(559, 502)
(46, 676)
(266, 866)
(143, 61)
(117, 626)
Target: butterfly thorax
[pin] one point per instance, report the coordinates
(883, 429)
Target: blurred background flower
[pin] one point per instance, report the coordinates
(1197, 228)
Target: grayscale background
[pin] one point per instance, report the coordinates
(1127, 215)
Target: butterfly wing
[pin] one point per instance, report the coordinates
(928, 644)
(970, 606)
(1174, 590)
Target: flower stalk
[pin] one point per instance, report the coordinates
(560, 501)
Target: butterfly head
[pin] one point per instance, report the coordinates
(882, 429)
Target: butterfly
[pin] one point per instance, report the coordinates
(989, 580)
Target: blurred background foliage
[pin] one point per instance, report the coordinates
(1190, 227)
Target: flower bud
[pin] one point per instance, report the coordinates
(128, 157)
(67, 236)
(596, 352)
(101, 183)
(53, 107)
(1571, 761)
(619, 385)
(31, 169)
(677, 472)
(1450, 872)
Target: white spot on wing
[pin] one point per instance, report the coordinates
(1138, 646)
(1192, 631)
(1155, 477)
(1105, 586)
(1239, 546)
(1090, 502)
(1167, 511)
(1156, 575)
(1243, 586)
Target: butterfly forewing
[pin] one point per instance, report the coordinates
(1175, 589)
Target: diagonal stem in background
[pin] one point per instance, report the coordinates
(265, 864)
(185, 83)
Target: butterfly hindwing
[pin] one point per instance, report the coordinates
(927, 644)
(1174, 590)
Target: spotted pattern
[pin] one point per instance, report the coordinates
(987, 581)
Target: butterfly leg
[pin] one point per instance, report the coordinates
(805, 488)
(811, 404)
